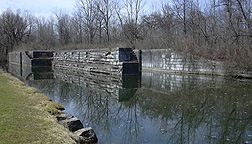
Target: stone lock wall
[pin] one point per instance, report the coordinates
(168, 61)
(120, 61)
(106, 61)
(102, 61)
(31, 58)
(14, 57)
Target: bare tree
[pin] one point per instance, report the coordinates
(14, 28)
(88, 15)
(130, 19)
(64, 28)
(181, 6)
(78, 32)
(105, 9)
(158, 29)
(45, 36)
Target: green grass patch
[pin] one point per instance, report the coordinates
(25, 115)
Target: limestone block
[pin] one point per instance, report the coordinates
(88, 135)
(105, 63)
(115, 70)
(114, 63)
(115, 67)
(64, 116)
(83, 53)
(104, 60)
(73, 124)
(116, 57)
(91, 59)
(110, 57)
(115, 53)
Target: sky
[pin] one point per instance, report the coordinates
(47, 8)
(43, 8)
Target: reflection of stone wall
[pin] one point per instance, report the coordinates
(111, 85)
(167, 83)
(29, 72)
(164, 59)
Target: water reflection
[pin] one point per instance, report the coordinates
(203, 113)
(31, 72)
(159, 108)
(121, 88)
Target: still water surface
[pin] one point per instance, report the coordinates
(156, 108)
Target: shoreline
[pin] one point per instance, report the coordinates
(28, 116)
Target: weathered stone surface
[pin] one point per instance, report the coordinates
(31, 58)
(246, 76)
(88, 135)
(73, 124)
(103, 60)
(166, 60)
(64, 116)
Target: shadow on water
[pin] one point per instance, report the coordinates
(156, 108)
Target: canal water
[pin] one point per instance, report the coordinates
(155, 108)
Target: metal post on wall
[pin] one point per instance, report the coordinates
(140, 61)
(140, 68)
(21, 63)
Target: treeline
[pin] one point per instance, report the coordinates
(216, 29)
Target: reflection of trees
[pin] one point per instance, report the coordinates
(205, 113)
(218, 111)
(130, 120)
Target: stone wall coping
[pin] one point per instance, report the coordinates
(89, 50)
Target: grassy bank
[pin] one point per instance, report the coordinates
(25, 115)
